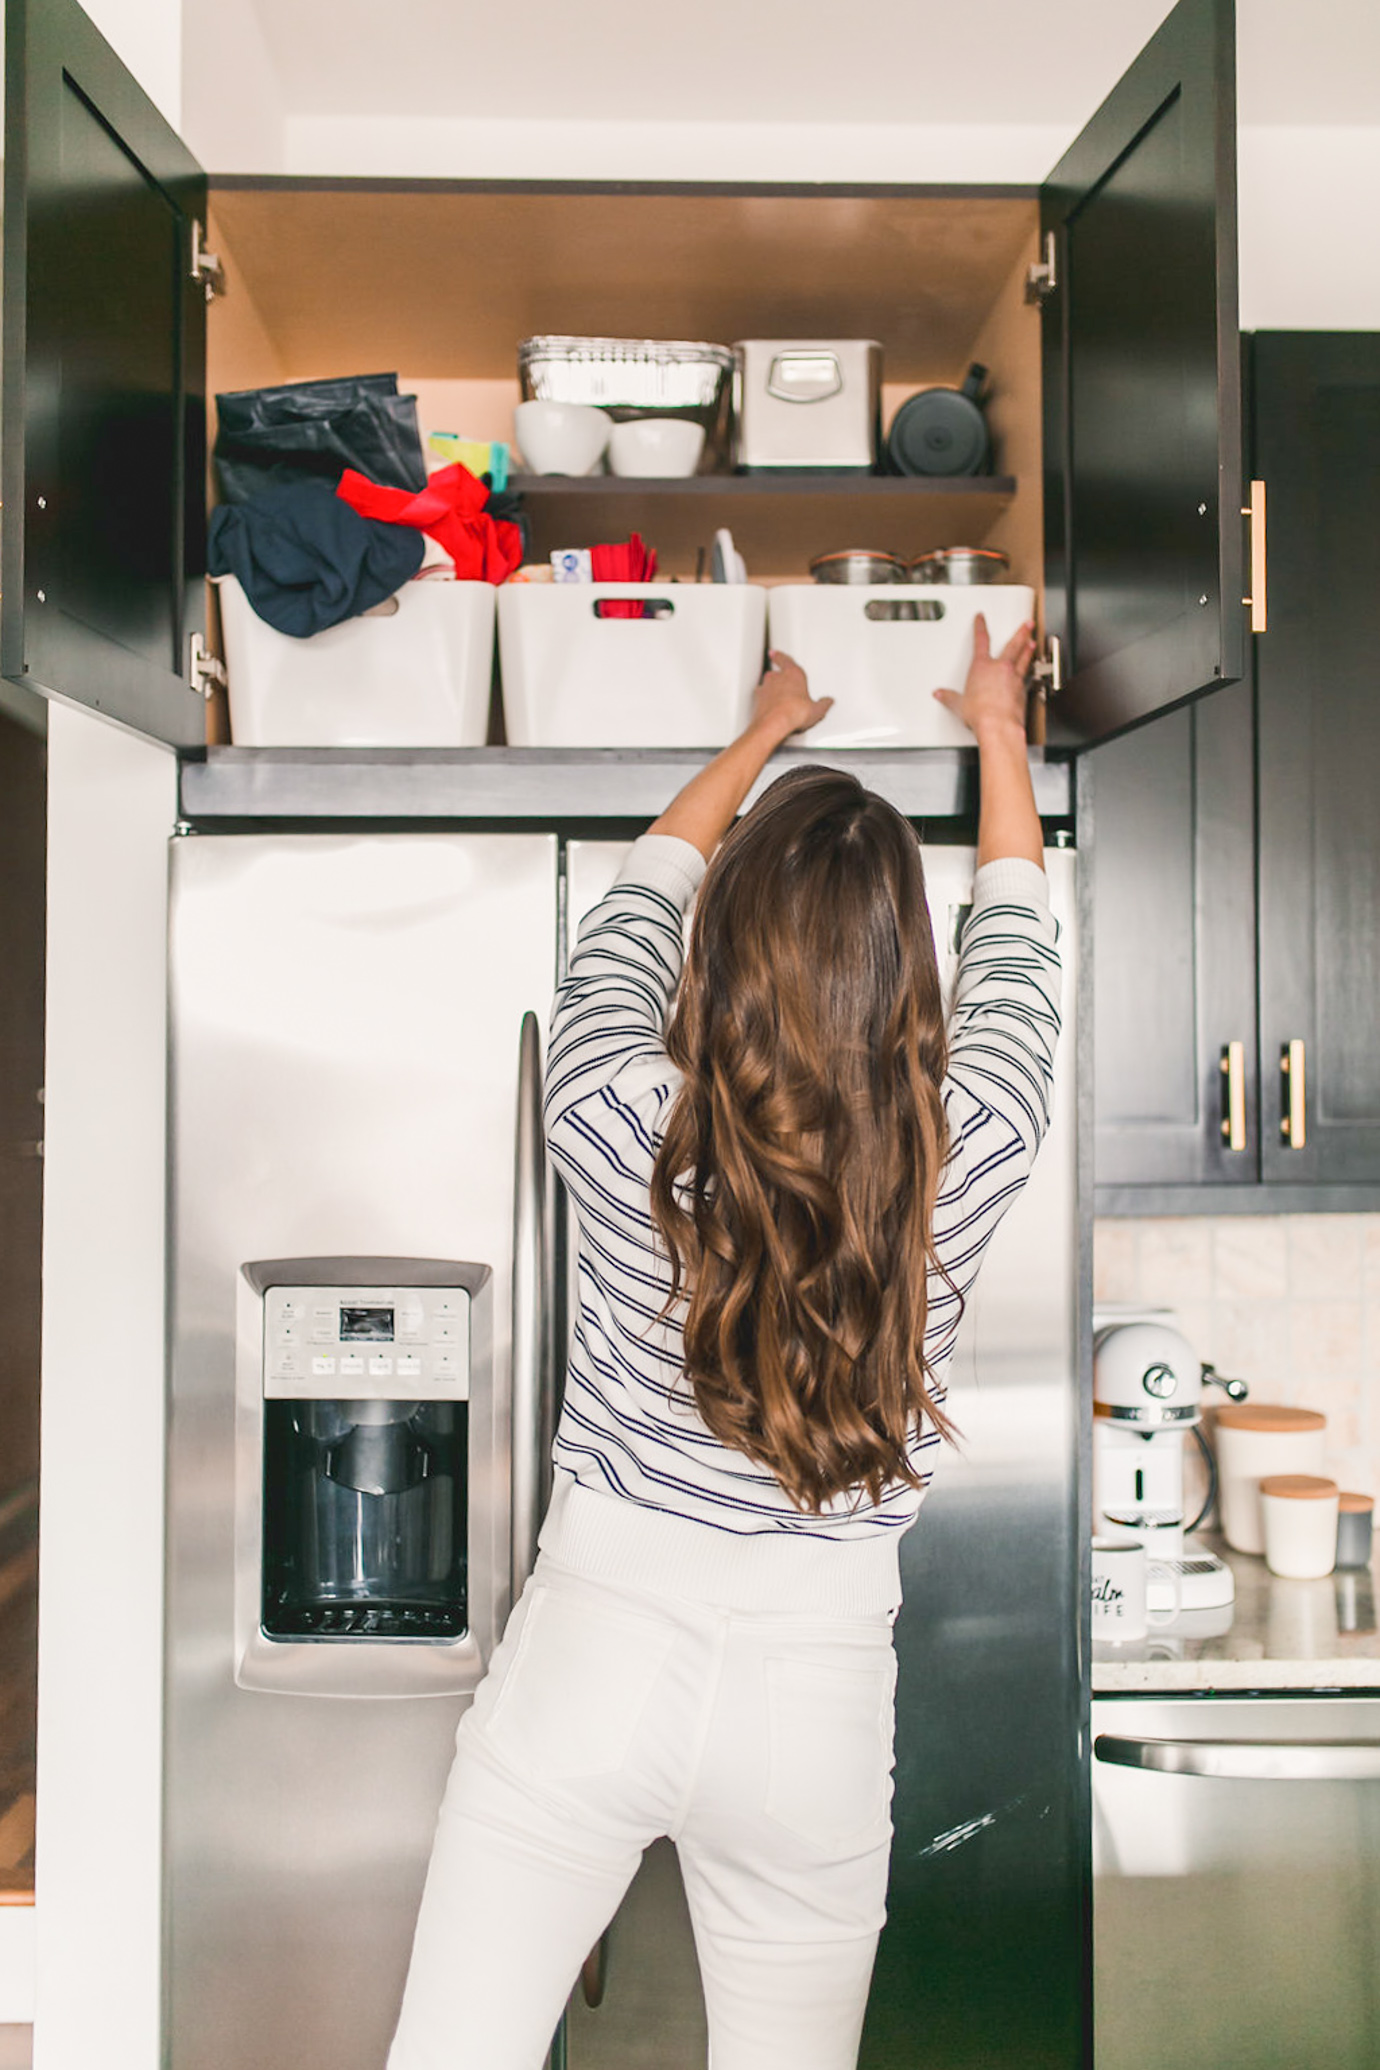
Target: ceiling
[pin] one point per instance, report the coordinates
(799, 61)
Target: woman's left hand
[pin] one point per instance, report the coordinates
(782, 703)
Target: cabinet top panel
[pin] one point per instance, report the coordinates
(445, 280)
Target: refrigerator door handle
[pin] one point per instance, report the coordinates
(1247, 1760)
(530, 1324)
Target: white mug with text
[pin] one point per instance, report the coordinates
(1118, 1589)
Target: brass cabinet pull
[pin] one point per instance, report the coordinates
(1293, 1124)
(1233, 1068)
(1255, 511)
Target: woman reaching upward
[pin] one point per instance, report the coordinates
(786, 1165)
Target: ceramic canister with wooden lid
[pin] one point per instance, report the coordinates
(1354, 1520)
(1253, 1440)
(1300, 1517)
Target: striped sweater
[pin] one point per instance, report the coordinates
(629, 1429)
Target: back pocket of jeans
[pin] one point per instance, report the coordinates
(578, 1686)
(829, 1729)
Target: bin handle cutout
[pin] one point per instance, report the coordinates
(647, 607)
(906, 610)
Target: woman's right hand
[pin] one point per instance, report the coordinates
(993, 698)
(782, 704)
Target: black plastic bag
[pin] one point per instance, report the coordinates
(316, 429)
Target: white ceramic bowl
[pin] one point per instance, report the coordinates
(656, 446)
(561, 438)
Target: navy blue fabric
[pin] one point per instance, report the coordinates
(306, 560)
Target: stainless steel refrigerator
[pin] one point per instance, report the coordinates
(366, 1285)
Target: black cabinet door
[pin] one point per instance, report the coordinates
(1142, 399)
(1316, 414)
(1173, 860)
(104, 383)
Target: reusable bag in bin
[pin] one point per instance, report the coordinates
(880, 653)
(319, 428)
(681, 676)
(415, 676)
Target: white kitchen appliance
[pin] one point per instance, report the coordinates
(1147, 1403)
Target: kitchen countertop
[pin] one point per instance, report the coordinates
(1283, 1635)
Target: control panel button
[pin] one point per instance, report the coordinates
(412, 1323)
(445, 1331)
(380, 1368)
(445, 1366)
(322, 1366)
(289, 1333)
(445, 1304)
(351, 1365)
(287, 1365)
(408, 1368)
(292, 1311)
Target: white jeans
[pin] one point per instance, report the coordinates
(761, 1744)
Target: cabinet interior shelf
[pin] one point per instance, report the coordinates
(779, 522)
(884, 487)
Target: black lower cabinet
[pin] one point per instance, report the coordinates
(1174, 948)
(1236, 852)
(1317, 446)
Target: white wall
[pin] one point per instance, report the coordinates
(232, 101)
(147, 36)
(1309, 229)
(440, 147)
(111, 804)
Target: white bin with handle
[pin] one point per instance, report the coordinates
(881, 651)
(418, 676)
(682, 676)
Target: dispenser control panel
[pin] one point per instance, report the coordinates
(366, 1343)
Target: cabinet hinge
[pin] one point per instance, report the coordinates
(1047, 669)
(205, 671)
(206, 268)
(1042, 278)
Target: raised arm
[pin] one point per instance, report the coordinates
(992, 706)
(1005, 1017)
(705, 809)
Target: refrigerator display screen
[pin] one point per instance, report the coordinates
(366, 1325)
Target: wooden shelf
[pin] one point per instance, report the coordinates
(779, 522)
(887, 487)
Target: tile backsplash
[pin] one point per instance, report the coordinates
(1289, 1303)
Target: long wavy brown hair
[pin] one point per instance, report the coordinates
(794, 1188)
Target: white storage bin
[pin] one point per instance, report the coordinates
(881, 670)
(418, 677)
(683, 678)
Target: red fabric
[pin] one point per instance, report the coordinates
(450, 510)
(629, 561)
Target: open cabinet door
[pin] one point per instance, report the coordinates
(1142, 387)
(104, 384)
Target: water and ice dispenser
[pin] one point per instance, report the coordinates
(371, 1525)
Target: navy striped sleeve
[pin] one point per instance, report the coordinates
(1005, 1018)
(607, 1054)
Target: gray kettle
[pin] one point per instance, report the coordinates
(942, 431)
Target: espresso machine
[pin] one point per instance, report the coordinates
(1147, 1406)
